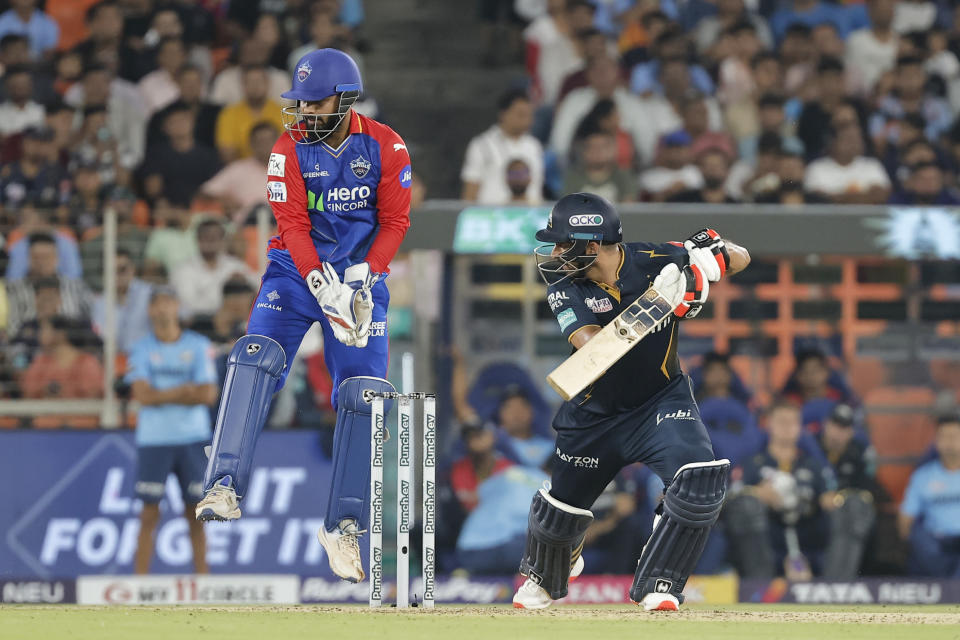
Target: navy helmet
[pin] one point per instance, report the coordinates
(577, 219)
(318, 75)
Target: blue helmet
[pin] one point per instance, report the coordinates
(319, 75)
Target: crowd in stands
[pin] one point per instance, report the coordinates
(727, 101)
(164, 111)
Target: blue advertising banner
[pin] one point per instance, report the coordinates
(68, 508)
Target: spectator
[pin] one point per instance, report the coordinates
(191, 89)
(604, 83)
(19, 111)
(909, 95)
(159, 87)
(595, 169)
(873, 50)
(846, 176)
(236, 120)
(779, 489)
(485, 166)
(810, 13)
(43, 259)
(131, 238)
(494, 533)
(551, 51)
(172, 241)
(481, 461)
(239, 185)
(729, 13)
(714, 162)
(172, 377)
(176, 170)
(733, 429)
(35, 179)
(854, 464)
(813, 127)
(199, 281)
(930, 513)
(925, 187)
(126, 117)
(229, 85)
(24, 18)
(672, 44)
(61, 370)
(674, 172)
(133, 298)
(95, 146)
(515, 421)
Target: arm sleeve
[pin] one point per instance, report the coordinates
(137, 365)
(204, 371)
(393, 202)
(287, 194)
(569, 309)
(912, 504)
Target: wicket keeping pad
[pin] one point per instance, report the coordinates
(691, 506)
(554, 533)
(603, 350)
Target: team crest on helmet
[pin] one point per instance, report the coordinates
(360, 166)
(303, 71)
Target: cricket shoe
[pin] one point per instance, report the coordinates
(220, 502)
(659, 602)
(530, 595)
(343, 549)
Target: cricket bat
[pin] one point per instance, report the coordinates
(621, 334)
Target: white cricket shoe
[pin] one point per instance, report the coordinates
(530, 595)
(220, 502)
(343, 550)
(659, 602)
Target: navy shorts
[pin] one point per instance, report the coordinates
(665, 433)
(187, 461)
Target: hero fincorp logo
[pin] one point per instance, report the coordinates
(585, 220)
(339, 199)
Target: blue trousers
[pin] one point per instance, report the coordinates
(285, 309)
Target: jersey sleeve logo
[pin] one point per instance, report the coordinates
(406, 177)
(277, 191)
(566, 318)
(276, 165)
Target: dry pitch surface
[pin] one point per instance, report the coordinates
(740, 622)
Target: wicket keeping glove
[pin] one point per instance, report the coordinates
(337, 302)
(708, 251)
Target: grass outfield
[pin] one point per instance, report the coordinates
(739, 622)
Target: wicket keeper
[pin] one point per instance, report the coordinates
(339, 186)
(641, 410)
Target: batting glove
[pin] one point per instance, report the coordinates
(708, 251)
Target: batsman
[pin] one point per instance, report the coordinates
(339, 186)
(639, 408)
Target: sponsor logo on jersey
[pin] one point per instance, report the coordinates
(679, 414)
(360, 166)
(556, 299)
(585, 220)
(277, 191)
(276, 164)
(584, 462)
(316, 173)
(339, 199)
(566, 318)
(303, 71)
(406, 177)
(599, 305)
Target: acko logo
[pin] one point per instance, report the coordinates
(585, 220)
